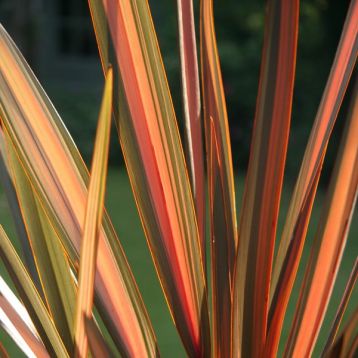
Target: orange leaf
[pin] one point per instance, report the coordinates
(155, 162)
(330, 240)
(59, 177)
(287, 260)
(25, 333)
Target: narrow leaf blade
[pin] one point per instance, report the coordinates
(192, 112)
(259, 214)
(155, 161)
(93, 220)
(329, 244)
(306, 185)
(59, 177)
(31, 298)
(52, 266)
(21, 334)
(220, 178)
(98, 345)
(342, 308)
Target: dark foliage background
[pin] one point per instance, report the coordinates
(57, 39)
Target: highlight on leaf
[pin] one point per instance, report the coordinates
(59, 177)
(78, 294)
(93, 221)
(155, 162)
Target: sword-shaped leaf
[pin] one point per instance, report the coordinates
(93, 220)
(259, 214)
(155, 161)
(59, 177)
(342, 308)
(52, 265)
(282, 277)
(223, 227)
(328, 246)
(192, 112)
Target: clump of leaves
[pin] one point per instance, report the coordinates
(72, 259)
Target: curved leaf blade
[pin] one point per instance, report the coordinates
(52, 265)
(59, 177)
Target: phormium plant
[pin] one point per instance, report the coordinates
(71, 259)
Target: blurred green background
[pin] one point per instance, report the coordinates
(57, 39)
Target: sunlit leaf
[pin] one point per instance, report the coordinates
(223, 227)
(155, 161)
(342, 307)
(30, 297)
(328, 246)
(52, 266)
(59, 177)
(192, 112)
(19, 331)
(259, 213)
(282, 277)
(93, 220)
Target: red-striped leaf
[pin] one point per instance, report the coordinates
(258, 220)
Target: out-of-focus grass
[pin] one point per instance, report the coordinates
(121, 207)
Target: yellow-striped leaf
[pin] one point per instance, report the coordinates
(93, 220)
